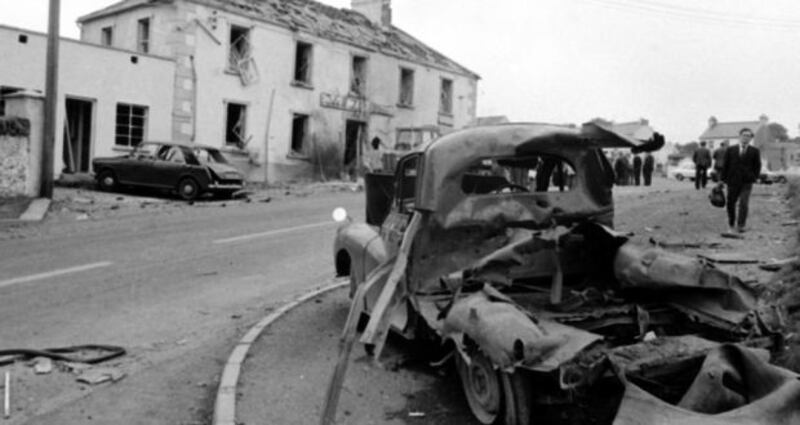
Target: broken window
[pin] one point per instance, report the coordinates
(131, 123)
(406, 87)
(358, 76)
(302, 63)
(239, 48)
(299, 133)
(446, 97)
(107, 36)
(235, 124)
(143, 35)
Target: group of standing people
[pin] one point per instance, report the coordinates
(737, 167)
(632, 172)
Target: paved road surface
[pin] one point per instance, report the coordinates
(176, 289)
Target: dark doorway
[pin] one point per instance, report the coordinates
(77, 136)
(355, 133)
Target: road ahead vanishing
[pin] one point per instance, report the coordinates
(174, 289)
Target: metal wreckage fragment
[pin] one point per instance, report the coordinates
(567, 336)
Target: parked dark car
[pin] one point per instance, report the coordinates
(187, 169)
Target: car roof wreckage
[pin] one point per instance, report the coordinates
(539, 281)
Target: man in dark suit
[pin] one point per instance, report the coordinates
(647, 168)
(637, 169)
(740, 169)
(702, 160)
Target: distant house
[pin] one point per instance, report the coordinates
(639, 129)
(775, 155)
(718, 132)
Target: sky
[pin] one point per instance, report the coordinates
(673, 62)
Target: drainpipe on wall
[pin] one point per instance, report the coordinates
(194, 98)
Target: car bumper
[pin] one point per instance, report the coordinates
(224, 186)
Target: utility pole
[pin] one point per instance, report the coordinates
(51, 101)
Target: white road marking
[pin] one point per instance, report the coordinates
(272, 232)
(54, 273)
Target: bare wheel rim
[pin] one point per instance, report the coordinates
(187, 189)
(108, 180)
(482, 387)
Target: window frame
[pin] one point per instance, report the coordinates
(446, 103)
(358, 88)
(143, 35)
(303, 151)
(107, 36)
(243, 115)
(405, 96)
(244, 51)
(128, 135)
(308, 57)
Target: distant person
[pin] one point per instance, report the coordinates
(647, 168)
(702, 160)
(637, 169)
(719, 158)
(621, 170)
(740, 168)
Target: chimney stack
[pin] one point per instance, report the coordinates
(377, 11)
(712, 122)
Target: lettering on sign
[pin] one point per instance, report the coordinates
(343, 102)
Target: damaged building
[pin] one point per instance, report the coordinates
(292, 88)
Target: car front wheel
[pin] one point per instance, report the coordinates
(188, 189)
(494, 396)
(679, 177)
(106, 180)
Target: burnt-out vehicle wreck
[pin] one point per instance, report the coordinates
(498, 243)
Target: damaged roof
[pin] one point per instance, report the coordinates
(308, 16)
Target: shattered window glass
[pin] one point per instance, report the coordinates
(239, 48)
(235, 125)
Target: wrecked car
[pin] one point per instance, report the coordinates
(499, 243)
(188, 169)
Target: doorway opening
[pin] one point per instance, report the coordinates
(355, 134)
(77, 136)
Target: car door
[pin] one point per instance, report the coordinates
(168, 167)
(395, 224)
(132, 169)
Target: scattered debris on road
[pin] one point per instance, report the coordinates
(42, 365)
(98, 375)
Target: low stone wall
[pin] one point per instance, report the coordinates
(14, 155)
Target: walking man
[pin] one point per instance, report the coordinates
(647, 168)
(719, 158)
(637, 169)
(702, 160)
(740, 168)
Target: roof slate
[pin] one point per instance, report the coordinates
(728, 130)
(309, 16)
